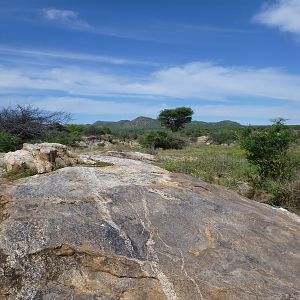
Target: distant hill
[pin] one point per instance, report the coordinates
(149, 123)
(220, 124)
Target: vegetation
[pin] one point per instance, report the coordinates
(271, 150)
(62, 137)
(27, 122)
(18, 175)
(268, 150)
(9, 142)
(224, 136)
(215, 164)
(96, 130)
(162, 139)
(175, 119)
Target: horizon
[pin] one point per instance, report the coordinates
(193, 120)
(108, 61)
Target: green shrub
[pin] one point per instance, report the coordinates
(128, 133)
(9, 142)
(268, 150)
(223, 136)
(78, 128)
(94, 130)
(63, 137)
(162, 139)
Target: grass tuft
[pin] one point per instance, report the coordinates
(12, 175)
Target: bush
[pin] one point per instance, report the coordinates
(285, 194)
(94, 130)
(268, 150)
(9, 142)
(223, 136)
(63, 137)
(128, 133)
(27, 122)
(162, 139)
(78, 128)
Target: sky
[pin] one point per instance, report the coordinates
(109, 60)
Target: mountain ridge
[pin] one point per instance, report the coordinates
(142, 122)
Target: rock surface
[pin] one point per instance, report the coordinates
(134, 231)
(38, 158)
(132, 155)
(203, 140)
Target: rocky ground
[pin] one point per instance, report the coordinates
(134, 231)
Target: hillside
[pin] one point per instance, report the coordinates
(137, 123)
(149, 123)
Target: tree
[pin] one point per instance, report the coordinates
(175, 119)
(27, 122)
(268, 149)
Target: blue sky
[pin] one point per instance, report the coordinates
(111, 60)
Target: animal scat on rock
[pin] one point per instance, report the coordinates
(125, 239)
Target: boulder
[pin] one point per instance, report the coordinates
(132, 155)
(38, 158)
(135, 231)
(2, 159)
(202, 139)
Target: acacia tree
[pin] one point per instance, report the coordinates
(27, 122)
(175, 119)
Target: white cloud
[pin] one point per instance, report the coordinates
(283, 14)
(254, 112)
(95, 107)
(56, 14)
(151, 31)
(70, 19)
(66, 17)
(10, 51)
(191, 81)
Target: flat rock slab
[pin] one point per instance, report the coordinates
(134, 231)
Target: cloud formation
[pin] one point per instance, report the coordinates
(67, 17)
(155, 31)
(9, 51)
(197, 80)
(71, 20)
(283, 14)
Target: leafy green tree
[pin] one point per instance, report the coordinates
(268, 150)
(175, 119)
